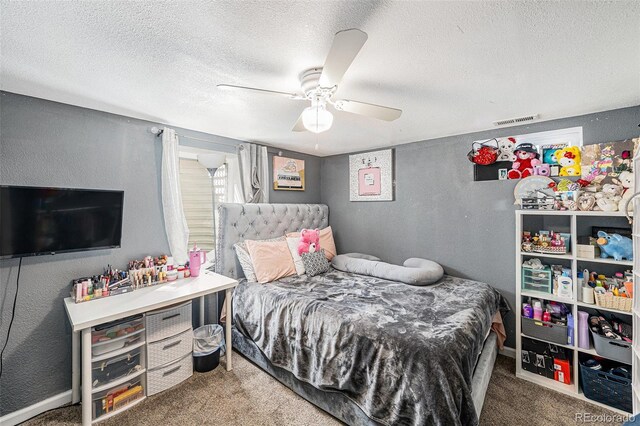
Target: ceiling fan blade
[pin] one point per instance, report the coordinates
(370, 110)
(253, 89)
(299, 126)
(345, 47)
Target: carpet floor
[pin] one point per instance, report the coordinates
(249, 396)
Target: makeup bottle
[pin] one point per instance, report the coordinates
(537, 310)
(570, 329)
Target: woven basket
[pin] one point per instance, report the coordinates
(608, 300)
(549, 250)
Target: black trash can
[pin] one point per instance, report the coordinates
(208, 344)
(206, 362)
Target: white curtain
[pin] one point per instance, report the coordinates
(175, 222)
(253, 164)
(233, 191)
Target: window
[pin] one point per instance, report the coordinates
(198, 189)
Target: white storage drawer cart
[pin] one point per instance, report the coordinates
(137, 344)
(169, 347)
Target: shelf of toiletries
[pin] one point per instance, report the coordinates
(548, 321)
(611, 292)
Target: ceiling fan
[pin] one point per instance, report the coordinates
(320, 84)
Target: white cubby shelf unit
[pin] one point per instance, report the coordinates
(576, 223)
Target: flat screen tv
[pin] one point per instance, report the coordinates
(38, 221)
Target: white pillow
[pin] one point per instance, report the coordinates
(292, 242)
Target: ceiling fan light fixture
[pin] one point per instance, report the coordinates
(317, 119)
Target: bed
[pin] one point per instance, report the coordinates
(366, 350)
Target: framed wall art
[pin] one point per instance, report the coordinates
(371, 176)
(288, 174)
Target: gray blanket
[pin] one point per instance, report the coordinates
(404, 354)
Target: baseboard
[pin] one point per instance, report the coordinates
(31, 411)
(507, 351)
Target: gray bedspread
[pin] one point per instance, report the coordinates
(403, 354)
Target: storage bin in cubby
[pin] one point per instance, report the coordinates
(618, 350)
(547, 331)
(537, 279)
(607, 388)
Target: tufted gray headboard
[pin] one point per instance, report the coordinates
(238, 222)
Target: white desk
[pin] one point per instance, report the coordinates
(83, 316)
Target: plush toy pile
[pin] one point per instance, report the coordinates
(609, 197)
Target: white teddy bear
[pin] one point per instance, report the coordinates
(506, 147)
(609, 198)
(626, 180)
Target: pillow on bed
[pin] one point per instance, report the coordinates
(315, 263)
(293, 242)
(245, 258)
(326, 241)
(271, 260)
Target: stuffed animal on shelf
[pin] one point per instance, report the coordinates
(608, 199)
(526, 160)
(615, 245)
(626, 181)
(569, 160)
(506, 147)
(606, 204)
(542, 170)
(309, 241)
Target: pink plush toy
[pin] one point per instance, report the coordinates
(526, 160)
(309, 241)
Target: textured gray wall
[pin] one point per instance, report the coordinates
(440, 213)
(46, 143)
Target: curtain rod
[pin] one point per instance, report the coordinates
(159, 132)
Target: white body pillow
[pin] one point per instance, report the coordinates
(414, 271)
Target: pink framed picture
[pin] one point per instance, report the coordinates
(371, 176)
(369, 181)
(288, 174)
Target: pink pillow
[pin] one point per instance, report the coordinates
(326, 241)
(271, 260)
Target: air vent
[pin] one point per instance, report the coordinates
(517, 120)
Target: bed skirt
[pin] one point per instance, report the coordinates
(343, 408)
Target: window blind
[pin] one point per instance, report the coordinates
(197, 198)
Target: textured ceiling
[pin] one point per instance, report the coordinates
(453, 67)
